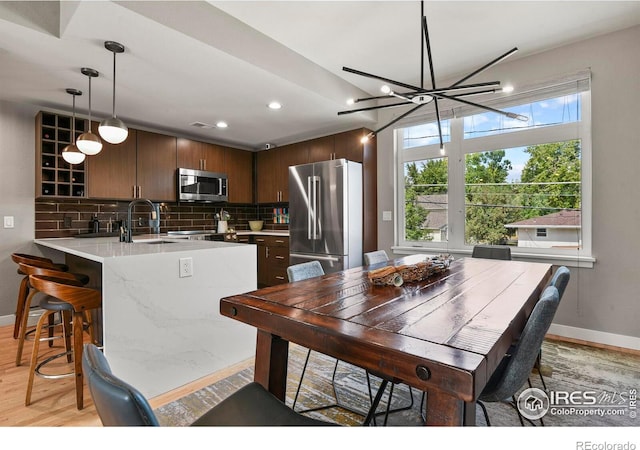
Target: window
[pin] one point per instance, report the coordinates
(509, 182)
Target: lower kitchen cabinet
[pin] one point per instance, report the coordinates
(273, 259)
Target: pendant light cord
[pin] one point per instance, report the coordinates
(73, 121)
(89, 103)
(114, 85)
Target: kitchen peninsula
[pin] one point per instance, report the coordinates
(160, 328)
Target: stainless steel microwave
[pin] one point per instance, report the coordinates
(201, 186)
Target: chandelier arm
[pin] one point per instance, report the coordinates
(486, 66)
(485, 91)
(487, 108)
(425, 30)
(376, 77)
(436, 91)
(400, 117)
(370, 108)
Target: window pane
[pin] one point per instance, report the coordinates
(426, 200)
(542, 113)
(510, 195)
(425, 134)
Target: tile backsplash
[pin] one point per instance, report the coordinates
(70, 217)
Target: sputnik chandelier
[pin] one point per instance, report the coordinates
(421, 96)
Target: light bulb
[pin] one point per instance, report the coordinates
(442, 149)
(386, 90)
(275, 105)
(507, 89)
(221, 124)
(350, 101)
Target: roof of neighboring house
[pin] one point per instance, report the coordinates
(560, 219)
(437, 205)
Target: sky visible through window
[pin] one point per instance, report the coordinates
(553, 111)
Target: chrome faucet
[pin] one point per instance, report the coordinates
(154, 222)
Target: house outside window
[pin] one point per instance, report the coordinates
(497, 173)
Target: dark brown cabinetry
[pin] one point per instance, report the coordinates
(156, 166)
(54, 176)
(273, 259)
(200, 155)
(273, 171)
(112, 172)
(143, 166)
(238, 165)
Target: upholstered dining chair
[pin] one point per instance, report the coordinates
(492, 252)
(375, 257)
(514, 369)
(560, 280)
(120, 404)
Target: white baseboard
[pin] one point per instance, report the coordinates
(11, 318)
(598, 337)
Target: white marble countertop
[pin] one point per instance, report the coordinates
(99, 249)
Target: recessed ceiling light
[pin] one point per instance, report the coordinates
(221, 124)
(274, 105)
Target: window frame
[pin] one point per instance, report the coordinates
(458, 147)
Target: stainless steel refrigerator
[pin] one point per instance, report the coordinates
(325, 214)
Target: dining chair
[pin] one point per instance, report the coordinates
(514, 369)
(375, 257)
(120, 404)
(491, 252)
(312, 269)
(560, 280)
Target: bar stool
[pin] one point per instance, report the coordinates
(23, 292)
(75, 302)
(28, 270)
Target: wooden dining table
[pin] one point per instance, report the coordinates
(444, 335)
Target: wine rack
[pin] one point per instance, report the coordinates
(54, 176)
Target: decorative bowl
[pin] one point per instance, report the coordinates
(256, 225)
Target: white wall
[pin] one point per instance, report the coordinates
(604, 300)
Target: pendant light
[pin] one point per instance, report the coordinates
(113, 130)
(70, 153)
(89, 143)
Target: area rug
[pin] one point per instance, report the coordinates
(583, 373)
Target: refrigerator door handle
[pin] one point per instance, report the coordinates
(318, 257)
(312, 211)
(316, 206)
(309, 209)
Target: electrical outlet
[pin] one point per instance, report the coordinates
(186, 267)
(67, 222)
(8, 221)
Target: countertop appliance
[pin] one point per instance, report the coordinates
(201, 186)
(325, 214)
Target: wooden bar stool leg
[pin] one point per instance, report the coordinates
(67, 327)
(23, 293)
(34, 355)
(23, 327)
(78, 323)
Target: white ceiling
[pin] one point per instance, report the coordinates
(199, 61)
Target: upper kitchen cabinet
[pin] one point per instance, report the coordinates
(112, 172)
(200, 155)
(272, 180)
(143, 166)
(238, 165)
(156, 166)
(54, 176)
(321, 149)
(348, 145)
